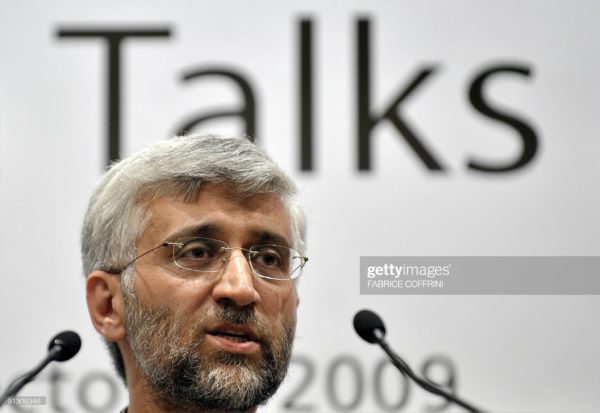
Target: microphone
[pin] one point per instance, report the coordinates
(369, 326)
(62, 347)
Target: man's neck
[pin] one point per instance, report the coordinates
(130, 409)
(141, 400)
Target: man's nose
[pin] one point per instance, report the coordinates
(236, 282)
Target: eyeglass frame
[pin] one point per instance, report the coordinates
(225, 259)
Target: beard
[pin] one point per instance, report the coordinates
(182, 375)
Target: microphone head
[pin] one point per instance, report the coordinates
(65, 345)
(365, 324)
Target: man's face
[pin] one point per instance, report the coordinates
(219, 340)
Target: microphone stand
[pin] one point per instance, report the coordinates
(22, 380)
(406, 370)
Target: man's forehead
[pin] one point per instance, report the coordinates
(218, 209)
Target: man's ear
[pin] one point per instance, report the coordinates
(105, 304)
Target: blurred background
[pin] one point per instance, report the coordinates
(458, 128)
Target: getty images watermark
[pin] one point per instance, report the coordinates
(479, 275)
(27, 401)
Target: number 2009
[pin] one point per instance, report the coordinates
(388, 400)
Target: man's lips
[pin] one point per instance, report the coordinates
(235, 338)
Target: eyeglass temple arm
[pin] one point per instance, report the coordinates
(164, 244)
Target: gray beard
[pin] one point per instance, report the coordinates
(183, 378)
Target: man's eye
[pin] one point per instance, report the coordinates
(271, 256)
(196, 251)
(268, 259)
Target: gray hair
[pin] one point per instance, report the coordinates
(117, 213)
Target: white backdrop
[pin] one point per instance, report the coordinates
(506, 353)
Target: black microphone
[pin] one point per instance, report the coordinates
(370, 328)
(62, 347)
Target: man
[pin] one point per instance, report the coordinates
(192, 247)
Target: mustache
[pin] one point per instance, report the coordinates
(229, 312)
(237, 315)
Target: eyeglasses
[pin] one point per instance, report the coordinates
(205, 255)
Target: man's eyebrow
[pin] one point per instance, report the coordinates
(209, 230)
(266, 237)
(202, 230)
